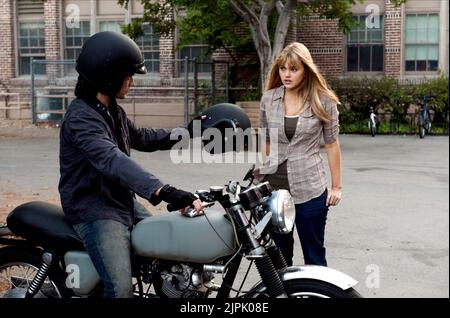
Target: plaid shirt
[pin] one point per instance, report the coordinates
(305, 168)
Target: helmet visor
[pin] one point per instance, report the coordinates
(141, 69)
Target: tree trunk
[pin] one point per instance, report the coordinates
(264, 69)
(258, 27)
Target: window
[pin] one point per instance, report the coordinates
(365, 46)
(110, 26)
(199, 52)
(149, 45)
(31, 45)
(30, 7)
(74, 38)
(422, 42)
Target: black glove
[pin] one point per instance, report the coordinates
(176, 198)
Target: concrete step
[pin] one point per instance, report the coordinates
(252, 109)
(16, 114)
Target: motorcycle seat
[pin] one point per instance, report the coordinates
(44, 224)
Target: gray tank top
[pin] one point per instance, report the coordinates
(278, 180)
(290, 125)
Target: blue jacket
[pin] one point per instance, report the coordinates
(98, 178)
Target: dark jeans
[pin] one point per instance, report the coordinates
(310, 220)
(109, 247)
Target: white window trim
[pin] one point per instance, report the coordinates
(403, 47)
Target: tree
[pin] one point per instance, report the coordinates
(215, 22)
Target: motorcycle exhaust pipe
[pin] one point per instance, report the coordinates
(214, 268)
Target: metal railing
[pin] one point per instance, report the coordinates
(9, 105)
(49, 103)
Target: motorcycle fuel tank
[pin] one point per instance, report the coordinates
(172, 236)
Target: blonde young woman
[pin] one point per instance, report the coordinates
(298, 109)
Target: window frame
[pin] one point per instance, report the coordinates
(371, 44)
(202, 72)
(101, 19)
(70, 69)
(154, 70)
(427, 44)
(25, 71)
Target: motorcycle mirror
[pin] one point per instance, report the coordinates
(249, 174)
(232, 187)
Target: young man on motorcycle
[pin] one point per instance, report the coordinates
(98, 179)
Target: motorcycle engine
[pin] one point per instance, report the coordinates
(184, 281)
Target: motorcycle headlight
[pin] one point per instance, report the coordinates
(282, 207)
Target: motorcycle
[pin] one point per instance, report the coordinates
(174, 255)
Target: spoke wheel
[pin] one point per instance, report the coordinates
(373, 128)
(17, 270)
(421, 127)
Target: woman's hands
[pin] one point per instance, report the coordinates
(334, 196)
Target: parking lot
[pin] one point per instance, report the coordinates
(390, 232)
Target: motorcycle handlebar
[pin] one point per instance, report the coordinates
(171, 207)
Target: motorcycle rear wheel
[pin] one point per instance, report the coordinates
(18, 267)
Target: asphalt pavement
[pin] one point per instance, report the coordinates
(390, 232)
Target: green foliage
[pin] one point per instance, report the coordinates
(335, 9)
(207, 21)
(391, 101)
(156, 12)
(216, 23)
(134, 29)
(438, 88)
(213, 22)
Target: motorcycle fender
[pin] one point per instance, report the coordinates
(322, 273)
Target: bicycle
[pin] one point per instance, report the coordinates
(373, 122)
(424, 118)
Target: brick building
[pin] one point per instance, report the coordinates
(406, 42)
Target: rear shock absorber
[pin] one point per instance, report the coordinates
(41, 275)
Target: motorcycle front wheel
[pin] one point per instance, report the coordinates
(310, 288)
(307, 288)
(18, 267)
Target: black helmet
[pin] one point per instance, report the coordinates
(225, 115)
(105, 60)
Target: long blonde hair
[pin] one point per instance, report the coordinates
(313, 85)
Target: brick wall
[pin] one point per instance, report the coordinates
(291, 35)
(392, 36)
(166, 59)
(7, 56)
(220, 69)
(325, 42)
(167, 56)
(52, 12)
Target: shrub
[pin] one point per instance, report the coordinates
(387, 96)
